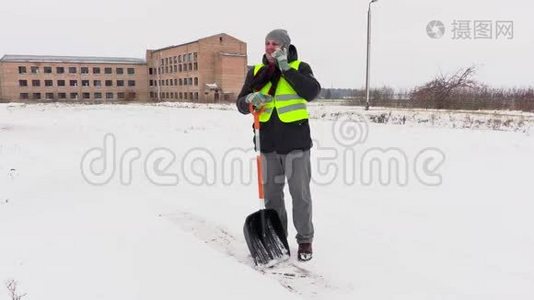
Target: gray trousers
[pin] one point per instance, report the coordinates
(295, 166)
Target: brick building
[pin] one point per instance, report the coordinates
(32, 77)
(206, 70)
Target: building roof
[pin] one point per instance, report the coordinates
(195, 41)
(72, 59)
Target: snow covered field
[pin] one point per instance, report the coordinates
(455, 221)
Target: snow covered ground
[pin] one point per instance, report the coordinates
(455, 221)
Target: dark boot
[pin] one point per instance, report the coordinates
(305, 252)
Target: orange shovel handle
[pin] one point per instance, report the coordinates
(256, 114)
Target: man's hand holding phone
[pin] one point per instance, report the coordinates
(280, 55)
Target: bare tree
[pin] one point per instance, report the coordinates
(11, 286)
(443, 87)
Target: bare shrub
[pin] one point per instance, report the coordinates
(12, 287)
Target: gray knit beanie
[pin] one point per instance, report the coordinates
(280, 36)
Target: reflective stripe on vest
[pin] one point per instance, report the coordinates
(289, 106)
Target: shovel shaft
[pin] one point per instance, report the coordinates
(260, 179)
(256, 114)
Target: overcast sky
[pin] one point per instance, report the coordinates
(330, 35)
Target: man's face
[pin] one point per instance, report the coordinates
(271, 46)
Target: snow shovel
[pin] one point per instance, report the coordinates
(263, 229)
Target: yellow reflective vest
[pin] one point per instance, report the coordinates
(289, 106)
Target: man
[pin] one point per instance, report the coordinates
(282, 85)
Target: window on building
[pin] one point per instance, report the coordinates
(151, 82)
(97, 83)
(86, 95)
(190, 66)
(35, 70)
(121, 95)
(22, 70)
(180, 67)
(150, 71)
(61, 95)
(162, 61)
(175, 59)
(84, 70)
(175, 68)
(185, 95)
(181, 95)
(98, 95)
(108, 70)
(172, 95)
(72, 70)
(85, 82)
(196, 95)
(49, 96)
(196, 66)
(180, 81)
(74, 95)
(190, 81)
(119, 71)
(73, 82)
(196, 80)
(96, 70)
(167, 60)
(171, 82)
(36, 96)
(109, 95)
(120, 82)
(24, 96)
(190, 57)
(60, 70)
(131, 82)
(191, 95)
(23, 83)
(167, 82)
(175, 81)
(131, 96)
(47, 70)
(49, 82)
(176, 95)
(166, 69)
(131, 71)
(195, 56)
(109, 82)
(61, 83)
(36, 82)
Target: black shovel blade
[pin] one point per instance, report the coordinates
(266, 237)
